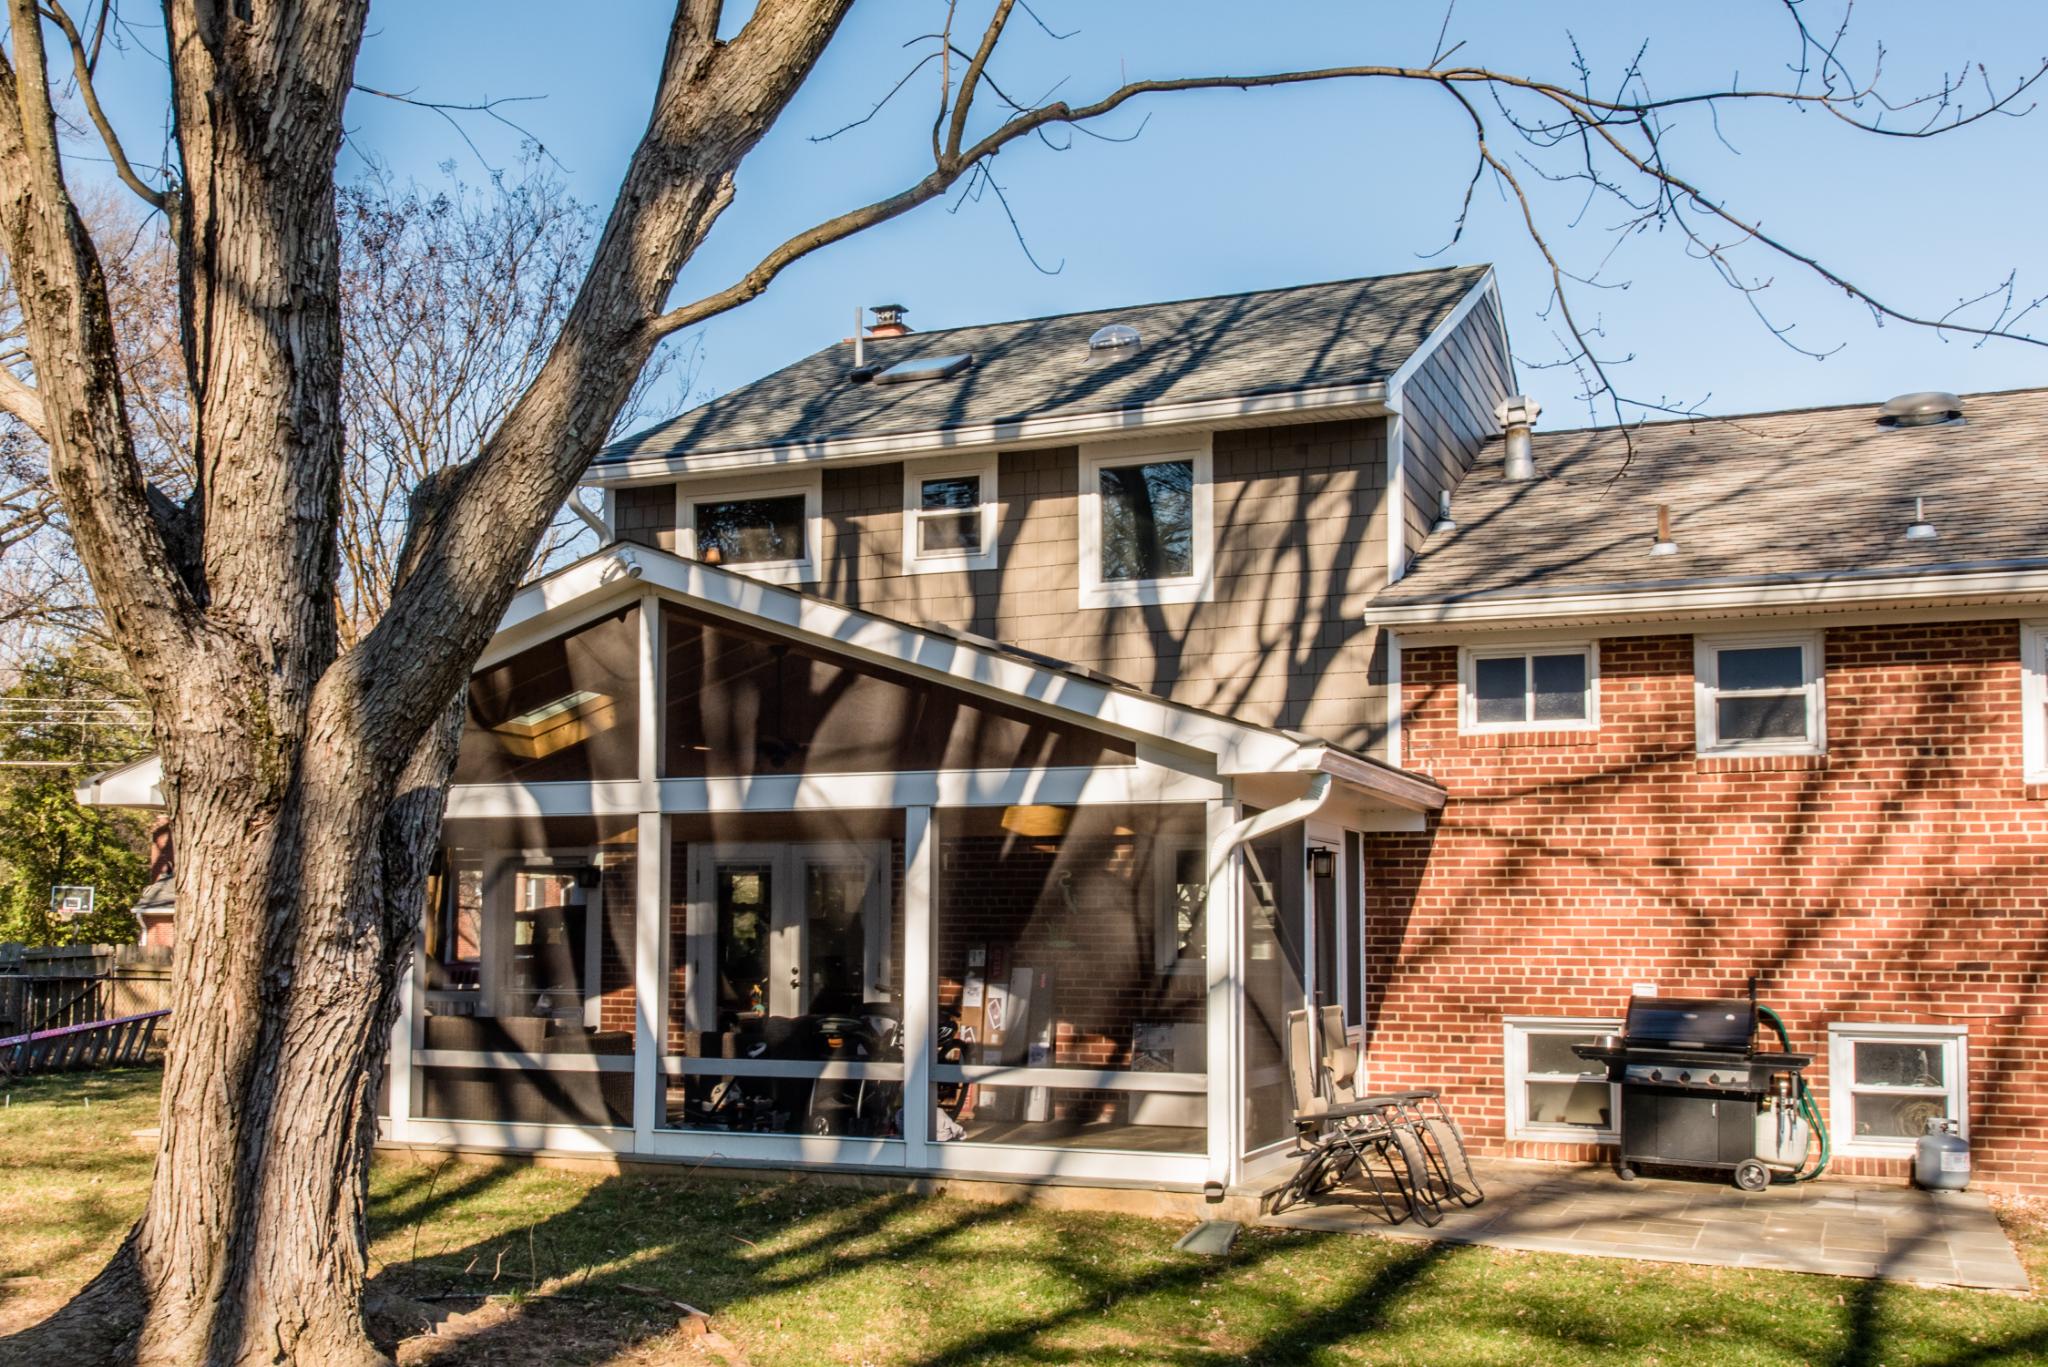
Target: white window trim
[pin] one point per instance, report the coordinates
(810, 485)
(1196, 587)
(1705, 675)
(915, 473)
(1520, 1127)
(2034, 700)
(1468, 694)
(1843, 1035)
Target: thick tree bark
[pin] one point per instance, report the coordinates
(305, 784)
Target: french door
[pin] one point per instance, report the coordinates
(786, 930)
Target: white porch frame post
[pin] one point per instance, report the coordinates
(1226, 995)
(650, 901)
(919, 985)
(399, 1061)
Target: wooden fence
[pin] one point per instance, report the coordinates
(50, 989)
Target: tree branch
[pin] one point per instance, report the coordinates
(972, 76)
(1584, 113)
(82, 71)
(62, 293)
(22, 402)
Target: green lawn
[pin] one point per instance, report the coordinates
(583, 1267)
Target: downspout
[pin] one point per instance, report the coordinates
(1266, 822)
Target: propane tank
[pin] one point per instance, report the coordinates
(1941, 1160)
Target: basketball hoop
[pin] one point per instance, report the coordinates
(70, 903)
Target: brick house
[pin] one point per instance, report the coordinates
(967, 747)
(1803, 745)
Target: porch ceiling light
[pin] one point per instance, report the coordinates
(1038, 821)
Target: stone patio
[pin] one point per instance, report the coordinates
(1844, 1229)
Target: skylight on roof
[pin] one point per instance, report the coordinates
(925, 368)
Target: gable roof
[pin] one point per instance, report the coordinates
(574, 594)
(1796, 508)
(1341, 336)
(599, 583)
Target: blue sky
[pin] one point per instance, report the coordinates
(1230, 191)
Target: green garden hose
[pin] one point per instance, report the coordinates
(1808, 1107)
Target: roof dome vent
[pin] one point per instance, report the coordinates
(1928, 408)
(1113, 342)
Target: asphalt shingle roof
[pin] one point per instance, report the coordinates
(1752, 498)
(1228, 346)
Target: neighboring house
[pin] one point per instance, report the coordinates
(1075, 698)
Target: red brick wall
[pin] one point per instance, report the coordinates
(615, 971)
(1902, 878)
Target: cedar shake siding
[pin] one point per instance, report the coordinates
(1447, 411)
(1300, 548)
(1902, 877)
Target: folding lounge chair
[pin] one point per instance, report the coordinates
(1428, 1138)
(1337, 1138)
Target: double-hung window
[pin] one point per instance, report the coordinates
(1886, 1082)
(1533, 688)
(1553, 1094)
(770, 533)
(1759, 694)
(1146, 523)
(949, 516)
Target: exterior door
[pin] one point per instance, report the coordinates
(837, 916)
(786, 930)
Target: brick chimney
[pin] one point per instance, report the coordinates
(888, 321)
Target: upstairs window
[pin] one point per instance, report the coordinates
(768, 533)
(1145, 524)
(1530, 688)
(1759, 695)
(949, 516)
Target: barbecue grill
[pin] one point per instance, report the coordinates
(1696, 1092)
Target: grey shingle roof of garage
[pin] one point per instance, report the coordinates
(1766, 498)
(1272, 341)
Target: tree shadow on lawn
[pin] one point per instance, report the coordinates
(798, 1272)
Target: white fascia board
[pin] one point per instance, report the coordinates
(1481, 289)
(138, 783)
(1053, 429)
(2016, 586)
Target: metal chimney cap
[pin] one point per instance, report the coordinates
(1517, 410)
(1927, 408)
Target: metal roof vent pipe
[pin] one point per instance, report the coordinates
(1517, 414)
(1920, 529)
(1663, 545)
(1928, 408)
(1444, 521)
(888, 320)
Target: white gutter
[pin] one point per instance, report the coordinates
(1051, 429)
(1678, 600)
